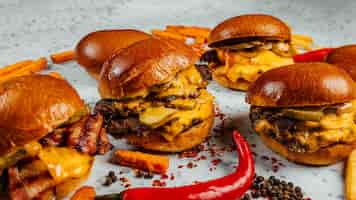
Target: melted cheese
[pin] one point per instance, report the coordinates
(65, 163)
(186, 83)
(184, 118)
(335, 129)
(156, 116)
(248, 69)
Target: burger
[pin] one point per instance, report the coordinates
(96, 47)
(305, 112)
(153, 95)
(246, 46)
(48, 138)
(344, 57)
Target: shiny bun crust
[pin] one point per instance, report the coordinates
(324, 156)
(32, 106)
(249, 26)
(302, 84)
(185, 141)
(96, 47)
(344, 57)
(143, 65)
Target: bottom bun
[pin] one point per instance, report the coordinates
(324, 156)
(225, 82)
(186, 140)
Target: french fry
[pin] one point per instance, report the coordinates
(34, 67)
(166, 34)
(303, 37)
(200, 40)
(10, 68)
(144, 161)
(56, 75)
(198, 48)
(84, 193)
(302, 41)
(350, 179)
(62, 57)
(190, 31)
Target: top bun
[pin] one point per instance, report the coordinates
(32, 106)
(143, 65)
(302, 84)
(344, 57)
(249, 27)
(96, 47)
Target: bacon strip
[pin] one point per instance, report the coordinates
(87, 136)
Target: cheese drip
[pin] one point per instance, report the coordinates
(239, 66)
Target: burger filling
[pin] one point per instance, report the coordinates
(242, 63)
(307, 129)
(51, 166)
(169, 109)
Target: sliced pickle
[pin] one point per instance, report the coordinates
(304, 115)
(155, 115)
(182, 104)
(241, 46)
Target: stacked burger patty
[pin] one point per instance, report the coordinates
(168, 110)
(307, 129)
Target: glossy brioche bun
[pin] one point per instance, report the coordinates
(32, 106)
(143, 65)
(96, 47)
(302, 84)
(324, 156)
(344, 57)
(247, 27)
(184, 141)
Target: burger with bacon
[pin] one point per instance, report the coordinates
(153, 95)
(246, 46)
(48, 138)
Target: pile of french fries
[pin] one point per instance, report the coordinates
(27, 67)
(198, 35)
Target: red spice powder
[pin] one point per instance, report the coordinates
(158, 183)
(216, 162)
(164, 176)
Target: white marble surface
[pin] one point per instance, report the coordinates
(34, 28)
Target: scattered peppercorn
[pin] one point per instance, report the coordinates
(148, 175)
(110, 178)
(274, 189)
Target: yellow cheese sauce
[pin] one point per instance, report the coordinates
(158, 116)
(65, 163)
(248, 68)
(174, 116)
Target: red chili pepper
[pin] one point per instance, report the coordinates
(313, 56)
(230, 187)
